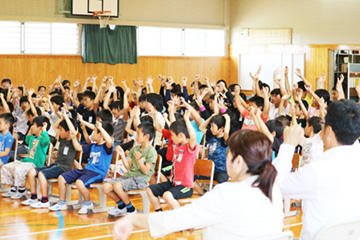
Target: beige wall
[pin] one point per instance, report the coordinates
(184, 13)
(312, 21)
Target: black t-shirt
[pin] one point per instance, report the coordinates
(88, 116)
(66, 154)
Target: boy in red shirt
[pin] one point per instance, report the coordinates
(181, 182)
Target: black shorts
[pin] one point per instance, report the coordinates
(178, 192)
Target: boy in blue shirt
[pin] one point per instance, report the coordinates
(95, 170)
(6, 139)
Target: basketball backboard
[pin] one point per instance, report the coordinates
(87, 7)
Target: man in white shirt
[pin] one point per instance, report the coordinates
(328, 186)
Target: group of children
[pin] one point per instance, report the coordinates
(132, 122)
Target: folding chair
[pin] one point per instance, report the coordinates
(345, 230)
(287, 202)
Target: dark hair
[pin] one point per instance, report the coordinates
(306, 105)
(275, 126)
(79, 96)
(195, 106)
(40, 87)
(142, 98)
(284, 120)
(30, 113)
(344, 118)
(66, 87)
(73, 114)
(117, 105)
(259, 101)
(218, 120)
(54, 93)
(120, 92)
(315, 122)
(301, 85)
(8, 118)
(322, 93)
(11, 106)
(147, 119)
(256, 149)
(21, 89)
(179, 126)
(232, 87)
(243, 96)
(65, 81)
(108, 127)
(156, 100)
(264, 85)
(105, 115)
(65, 126)
(203, 86)
(58, 100)
(222, 81)
(276, 91)
(6, 80)
(178, 116)
(40, 120)
(212, 97)
(175, 88)
(89, 94)
(147, 128)
(24, 99)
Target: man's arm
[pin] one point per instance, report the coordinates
(75, 91)
(4, 103)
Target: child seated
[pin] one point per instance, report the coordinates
(94, 172)
(216, 138)
(181, 181)
(6, 139)
(66, 154)
(312, 145)
(140, 166)
(14, 173)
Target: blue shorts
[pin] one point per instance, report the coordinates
(86, 176)
(52, 171)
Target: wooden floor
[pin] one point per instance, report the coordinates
(25, 223)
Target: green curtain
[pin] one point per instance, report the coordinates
(104, 45)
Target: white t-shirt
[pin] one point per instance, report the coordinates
(274, 112)
(161, 120)
(329, 186)
(232, 210)
(312, 148)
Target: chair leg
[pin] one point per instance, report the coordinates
(102, 197)
(145, 201)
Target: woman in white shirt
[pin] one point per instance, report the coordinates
(249, 206)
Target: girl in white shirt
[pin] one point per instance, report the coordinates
(249, 206)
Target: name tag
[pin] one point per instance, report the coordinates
(90, 119)
(66, 150)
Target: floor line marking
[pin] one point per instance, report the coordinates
(293, 225)
(60, 226)
(55, 230)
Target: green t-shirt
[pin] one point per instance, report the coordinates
(150, 156)
(38, 147)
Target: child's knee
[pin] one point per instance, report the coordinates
(32, 172)
(107, 188)
(118, 186)
(79, 183)
(168, 195)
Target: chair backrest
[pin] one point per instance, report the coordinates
(49, 151)
(344, 230)
(205, 168)
(287, 235)
(296, 161)
(14, 147)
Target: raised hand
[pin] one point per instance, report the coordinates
(187, 113)
(341, 79)
(258, 72)
(197, 77)
(140, 82)
(184, 80)
(105, 79)
(276, 77)
(293, 135)
(149, 80)
(323, 78)
(31, 92)
(286, 71)
(298, 73)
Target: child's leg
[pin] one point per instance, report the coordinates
(108, 189)
(198, 188)
(62, 188)
(119, 190)
(153, 200)
(156, 190)
(32, 180)
(43, 185)
(83, 190)
(8, 173)
(21, 172)
(169, 198)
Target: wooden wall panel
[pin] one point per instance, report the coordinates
(43, 69)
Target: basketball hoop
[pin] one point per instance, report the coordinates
(103, 16)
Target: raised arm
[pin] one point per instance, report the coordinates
(127, 163)
(286, 78)
(76, 88)
(209, 85)
(266, 103)
(86, 83)
(108, 139)
(32, 107)
(297, 98)
(149, 84)
(190, 128)
(4, 103)
(281, 105)
(277, 80)
(240, 103)
(339, 87)
(129, 123)
(322, 81)
(196, 85)
(72, 131)
(227, 127)
(203, 126)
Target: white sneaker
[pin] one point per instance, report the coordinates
(40, 204)
(57, 207)
(129, 213)
(29, 202)
(84, 209)
(8, 194)
(116, 212)
(18, 195)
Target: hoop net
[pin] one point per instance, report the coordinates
(103, 16)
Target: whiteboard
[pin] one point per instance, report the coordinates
(269, 63)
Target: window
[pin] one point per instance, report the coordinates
(39, 38)
(10, 37)
(156, 41)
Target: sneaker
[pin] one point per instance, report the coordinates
(57, 207)
(84, 209)
(40, 204)
(18, 195)
(8, 194)
(29, 202)
(116, 212)
(129, 213)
